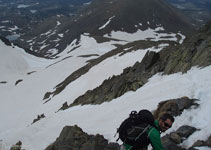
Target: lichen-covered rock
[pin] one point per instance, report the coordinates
(17, 146)
(174, 106)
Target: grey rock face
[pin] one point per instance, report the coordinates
(171, 141)
(185, 131)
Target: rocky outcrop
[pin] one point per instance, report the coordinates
(3, 82)
(195, 51)
(6, 41)
(73, 138)
(202, 143)
(18, 81)
(120, 50)
(130, 80)
(174, 106)
(17, 146)
(171, 141)
(38, 118)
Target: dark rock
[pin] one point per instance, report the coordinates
(18, 81)
(198, 143)
(64, 106)
(194, 51)
(31, 72)
(185, 131)
(203, 143)
(3, 82)
(38, 118)
(17, 146)
(192, 148)
(73, 138)
(208, 141)
(6, 41)
(168, 144)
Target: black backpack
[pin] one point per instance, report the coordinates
(132, 130)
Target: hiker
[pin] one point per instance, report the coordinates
(152, 129)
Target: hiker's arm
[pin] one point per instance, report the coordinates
(154, 137)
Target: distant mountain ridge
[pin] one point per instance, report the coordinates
(100, 18)
(198, 10)
(19, 17)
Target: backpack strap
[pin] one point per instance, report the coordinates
(142, 132)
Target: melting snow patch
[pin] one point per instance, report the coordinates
(6, 21)
(53, 51)
(22, 6)
(14, 28)
(61, 35)
(142, 35)
(58, 23)
(182, 38)
(46, 33)
(103, 26)
(88, 46)
(33, 11)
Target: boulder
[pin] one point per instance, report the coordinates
(203, 143)
(171, 141)
(174, 106)
(185, 131)
(17, 146)
(168, 144)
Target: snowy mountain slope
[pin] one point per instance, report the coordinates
(159, 88)
(9, 67)
(42, 75)
(22, 103)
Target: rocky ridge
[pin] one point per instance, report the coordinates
(121, 50)
(195, 51)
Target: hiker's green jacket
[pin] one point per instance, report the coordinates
(154, 136)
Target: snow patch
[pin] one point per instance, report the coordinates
(103, 26)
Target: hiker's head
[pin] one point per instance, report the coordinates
(166, 121)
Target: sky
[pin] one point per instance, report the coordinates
(20, 104)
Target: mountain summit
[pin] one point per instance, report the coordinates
(100, 18)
